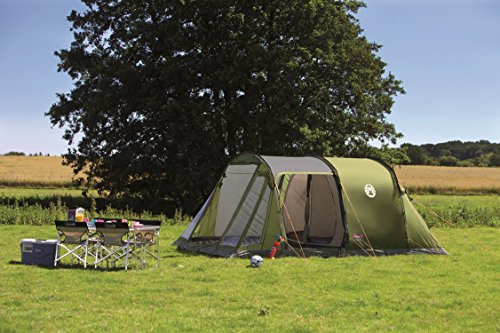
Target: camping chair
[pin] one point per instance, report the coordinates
(146, 241)
(112, 243)
(73, 238)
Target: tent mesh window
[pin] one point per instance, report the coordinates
(247, 210)
(256, 227)
(234, 184)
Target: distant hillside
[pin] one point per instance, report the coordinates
(455, 153)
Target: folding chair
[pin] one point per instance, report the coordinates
(146, 241)
(73, 238)
(112, 243)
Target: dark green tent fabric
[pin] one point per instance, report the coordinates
(323, 206)
(380, 215)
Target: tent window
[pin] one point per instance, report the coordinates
(234, 184)
(254, 233)
(241, 220)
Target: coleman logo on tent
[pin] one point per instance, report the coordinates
(370, 191)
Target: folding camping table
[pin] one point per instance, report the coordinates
(140, 243)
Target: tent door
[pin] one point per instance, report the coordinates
(312, 211)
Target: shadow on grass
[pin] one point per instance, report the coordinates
(64, 266)
(180, 254)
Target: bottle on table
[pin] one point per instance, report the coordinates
(79, 214)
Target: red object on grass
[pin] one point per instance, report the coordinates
(277, 243)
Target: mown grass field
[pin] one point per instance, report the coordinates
(449, 180)
(420, 293)
(456, 293)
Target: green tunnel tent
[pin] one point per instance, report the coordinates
(324, 207)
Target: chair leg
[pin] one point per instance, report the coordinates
(86, 253)
(158, 252)
(97, 250)
(57, 252)
(126, 257)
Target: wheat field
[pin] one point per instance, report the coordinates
(43, 171)
(34, 171)
(424, 178)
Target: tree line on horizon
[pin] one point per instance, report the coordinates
(20, 153)
(480, 153)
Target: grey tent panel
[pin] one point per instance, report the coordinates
(233, 235)
(236, 180)
(279, 164)
(259, 220)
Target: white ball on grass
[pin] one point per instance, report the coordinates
(256, 261)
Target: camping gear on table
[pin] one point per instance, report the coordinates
(76, 214)
(323, 207)
(72, 214)
(79, 214)
(39, 252)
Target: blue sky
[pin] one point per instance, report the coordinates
(446, 52)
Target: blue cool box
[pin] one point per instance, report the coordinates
(38, 252)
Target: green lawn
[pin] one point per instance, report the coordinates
(459, 210)
(455, 293)
(443, 200)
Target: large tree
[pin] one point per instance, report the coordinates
(167, 91)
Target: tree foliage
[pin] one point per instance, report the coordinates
(15, 153)
(454, 153)
(495, 158)
(166, 92)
